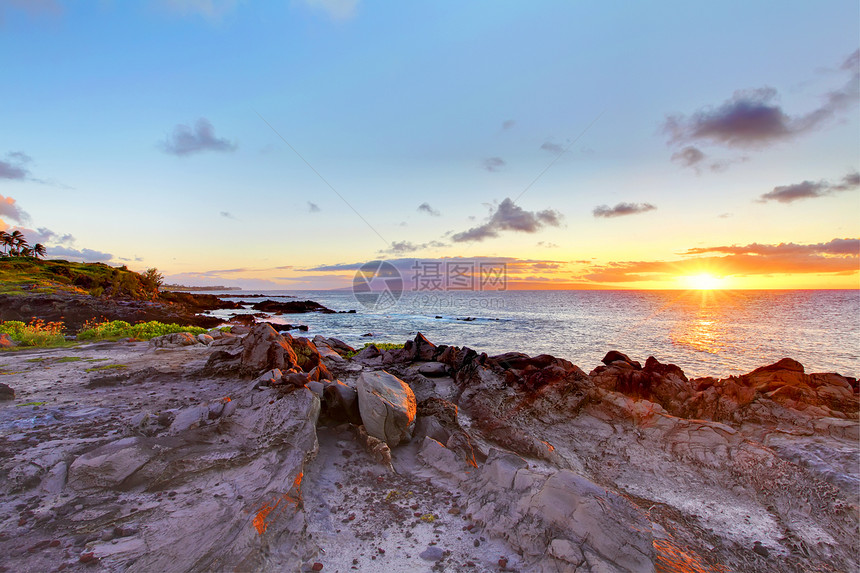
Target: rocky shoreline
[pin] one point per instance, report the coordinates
(259, 451)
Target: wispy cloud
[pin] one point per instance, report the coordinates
(810, 189)
(10, 209)
(404, 247)
(426, 208)
(622, 209)
(83, 255)
(313, 207)
(227, 215)
(754, 119)
(554, 148)
(508, 216)
(838, 247)
(508, 124)
(493, 163)
(14, 166)
(186, 140)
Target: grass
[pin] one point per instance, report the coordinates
(106, 367)
(30, 404)
(43, 334)
(23, 276)
(69, 359)
(380, 345)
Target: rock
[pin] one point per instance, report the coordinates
(190, 418)
(291, 307)
(6, 392)
(205, 339)
(423, 349)
(615, 356)
(320, 372)
(264, 349)
(174, 340)
(335, 344)
(387, 406)
(432, 553)
(307, 355)
(367, 353)
(109, 465)
(433, 369)
(341, 403)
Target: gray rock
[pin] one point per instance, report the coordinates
(189, 418)
(387, 406)
(342, 403)
(174, 340)
(205, 339)
(109, 465)
(433, 369)
(6, 392)
(432, 553)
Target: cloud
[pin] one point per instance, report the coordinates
(313, 207)
(837, 257)
(403, 247)
(553, 148)
(754, 119)
(227, 215)
(510, 217)
(336, 9)
(810, 189)
(13, 167)
(689, 156)
(84, 255)
(45, 236)
(494, 163)
(622, 209)
(426, 208)
(11, 210)
(547, 245)
(186, 140)
(837, 247)
(508, 124)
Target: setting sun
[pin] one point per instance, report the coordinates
(705, 281)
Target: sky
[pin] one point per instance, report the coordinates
(284, 144)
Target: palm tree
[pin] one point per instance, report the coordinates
(39, 250)
(19, 242)
(6, 241)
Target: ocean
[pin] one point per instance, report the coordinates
(707, 333)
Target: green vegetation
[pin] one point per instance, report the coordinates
(30, 404)
(37, 333)
(380, 345)
(106, 367)
(116, 329)
(69, 359)
(14, 244)
(29, 275)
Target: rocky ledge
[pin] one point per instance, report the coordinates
(76, 309)
(265, 452)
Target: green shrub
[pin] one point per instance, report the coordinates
(117, 329)
(380, 345)
(37, 333)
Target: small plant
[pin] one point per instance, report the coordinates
(380, 345)
(106, 367)
(30, 404)
(37, 333)
(69, 359)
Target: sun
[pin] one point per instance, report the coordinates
(704, 281)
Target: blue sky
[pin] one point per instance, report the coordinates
(133, 129)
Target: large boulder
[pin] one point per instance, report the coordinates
(265, 349)
(174, 340)
(6, 392)
(387, 405)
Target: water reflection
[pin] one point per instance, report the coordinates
(701, 324)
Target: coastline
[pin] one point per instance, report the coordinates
(103, 461)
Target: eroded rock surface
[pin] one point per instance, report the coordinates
(264, 452)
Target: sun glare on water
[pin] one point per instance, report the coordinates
(704, 281)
